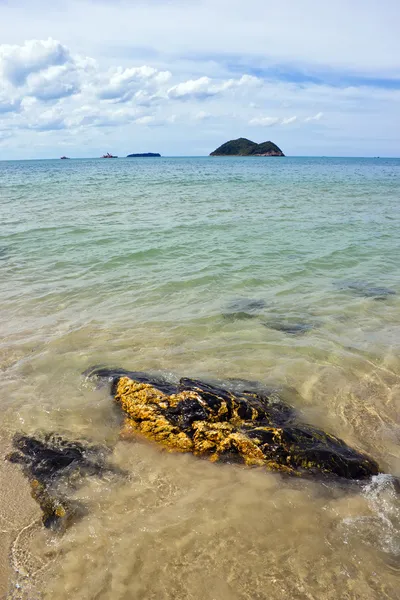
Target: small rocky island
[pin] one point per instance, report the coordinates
(145, 155)
(245, 147)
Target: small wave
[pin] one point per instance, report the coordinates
(381, 529)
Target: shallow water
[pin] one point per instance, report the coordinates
(278, 270)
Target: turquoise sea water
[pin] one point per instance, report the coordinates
(283, 270)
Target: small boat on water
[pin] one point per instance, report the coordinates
(108, 155)
(64, 157)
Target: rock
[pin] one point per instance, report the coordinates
(103, 375)
(250, 305)
(245, 147)
(290, 328)
(241, 422)
(145, 155)
(238, 316)
(247, 427)
(240, 309)
(51, 463)
(361, 288)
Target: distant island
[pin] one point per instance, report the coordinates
(144, 155)
(245, 147)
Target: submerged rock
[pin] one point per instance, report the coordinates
(238, 316)
(361, 288)
(251, 305)
(290, 328)
(246, 427)
(52, 464)
(241, 309)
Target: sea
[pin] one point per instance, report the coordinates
(284, 271)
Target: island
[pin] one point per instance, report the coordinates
(245, 147)
(145, 155)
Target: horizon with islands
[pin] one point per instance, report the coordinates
(240, 147)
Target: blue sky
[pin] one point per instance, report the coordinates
(82, 77)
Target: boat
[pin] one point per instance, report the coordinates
(108, 155)
(64, 157)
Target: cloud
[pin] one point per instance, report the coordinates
(18, 62)
(288, 120)
(270, 121)
(152, 121)
(147, 120)
(9, 105)
(205, 87)
(202, 115)
(336, 35)
(49, 120)
(111, 97)
(54, 83)
(265, 121)
(316, 117)
(123, 84)
(92, 117)
(43, 69)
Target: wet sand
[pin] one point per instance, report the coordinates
(19, 515)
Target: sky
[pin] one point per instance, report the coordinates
(181, 77)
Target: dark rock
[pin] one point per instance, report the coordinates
(246, 305)
(52, 464)
(241, 309)
(361, 288)
(238, 316)
(248, 427)
(290, 328)
(103, 375)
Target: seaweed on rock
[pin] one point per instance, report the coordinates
(246, 427)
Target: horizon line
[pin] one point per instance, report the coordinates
(201, 156)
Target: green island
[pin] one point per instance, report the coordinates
(245, 147)
(145, 155)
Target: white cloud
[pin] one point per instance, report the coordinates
(8, 105)
(205, 87)
(270, 121)
(288, 120)
(18, 62)
(122, 84)
(147, 120)
(194, 88)
(50, 91)
(316, 117)
(202, 115)
(264, 121)
(53, 83)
